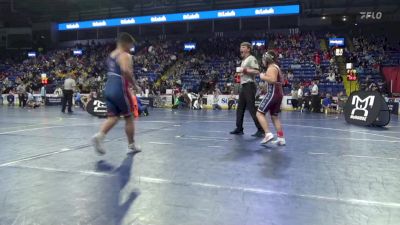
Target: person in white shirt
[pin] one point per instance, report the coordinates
(331, 77)
(300, 94)
(247, 96)
(295, 98)
(68, 92)
(316, 100)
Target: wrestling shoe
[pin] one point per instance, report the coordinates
(280, 141)
(133, 149)
(268, 137)
(237, 132)
(97, 142)
(259, 134)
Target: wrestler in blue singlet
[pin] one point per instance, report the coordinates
(116, 94)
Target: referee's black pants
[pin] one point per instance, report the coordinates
(67, 98)
(247, 100)
(316, 103)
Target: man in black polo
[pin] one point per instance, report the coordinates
(247, 96)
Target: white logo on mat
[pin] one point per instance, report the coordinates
(99, 106)
(361, 105)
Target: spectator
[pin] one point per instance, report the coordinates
(231, 101)
(327, 103)
(215, 101)
(10, 98)
(290, 75)
(31, 101)
(58, 92)
(331, 77)
(21, 90)
(295, 101)
(78, 99)
(43, 93)
(300, 94)
(342, 99)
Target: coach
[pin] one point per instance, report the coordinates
(247, 96)
(69, 86)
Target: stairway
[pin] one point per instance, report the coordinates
(349, 43)
(271, 44)
(168, 72)
(322, 44)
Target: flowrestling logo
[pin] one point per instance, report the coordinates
(228, 13)
(371, 15)
(361, 105)
(191, 16)
(128, 21)
(158, 19)
(72, 26)
(264, 11)
(100, 23)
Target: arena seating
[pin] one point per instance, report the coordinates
(213, 61)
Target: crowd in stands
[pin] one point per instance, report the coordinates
(162, 65)
(368, 55)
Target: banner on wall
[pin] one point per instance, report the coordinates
(183, 17)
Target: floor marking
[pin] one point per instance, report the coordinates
(205, 137)
(31, 125)
(369, 157)
(79, 147)
(43, 155)
(49, 127)
(35, 157)
(214, 146)
(202, 139)
(355, 156)
(262, 191)
(214, 131)
(87, 172)
(317, 153)
(159, 143)
(154, 121)
(336, 129)
(355, 139)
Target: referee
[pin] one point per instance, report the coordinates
(69, 86)
(247, 96)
